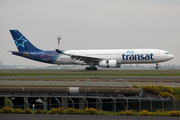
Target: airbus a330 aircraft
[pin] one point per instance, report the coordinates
(108, 58)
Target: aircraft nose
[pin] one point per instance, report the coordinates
(172, 56)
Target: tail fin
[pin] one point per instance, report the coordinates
(21, 42)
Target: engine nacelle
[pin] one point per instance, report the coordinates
(109, 64)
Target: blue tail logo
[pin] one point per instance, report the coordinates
(22, 43)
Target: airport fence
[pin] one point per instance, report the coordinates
(112, 105)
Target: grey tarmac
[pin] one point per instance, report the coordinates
(83, 83)
(125, 77)
(81, 117)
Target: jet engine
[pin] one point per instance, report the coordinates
(109, 64)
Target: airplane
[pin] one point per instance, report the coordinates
(107, 58)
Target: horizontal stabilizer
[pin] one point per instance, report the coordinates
(24, 54)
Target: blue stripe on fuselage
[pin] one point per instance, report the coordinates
(43, 56)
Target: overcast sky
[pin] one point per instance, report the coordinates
(90, 24)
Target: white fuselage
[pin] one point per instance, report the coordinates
(123, 56)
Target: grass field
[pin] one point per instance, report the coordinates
(50, 72)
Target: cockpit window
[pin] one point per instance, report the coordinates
(167, 53)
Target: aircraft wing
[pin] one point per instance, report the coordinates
(85, 59)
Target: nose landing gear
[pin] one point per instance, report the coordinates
(156, 66)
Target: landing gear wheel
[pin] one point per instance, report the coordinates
(87, 68)
(156, 66)
(94, 68)
(90, 68)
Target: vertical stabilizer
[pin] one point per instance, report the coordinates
(21, 42)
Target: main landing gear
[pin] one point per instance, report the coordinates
(90, 68)
(156, 66)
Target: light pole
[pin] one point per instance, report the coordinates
(59, 39)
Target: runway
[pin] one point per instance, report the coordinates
(81, 117)
(89, 82)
